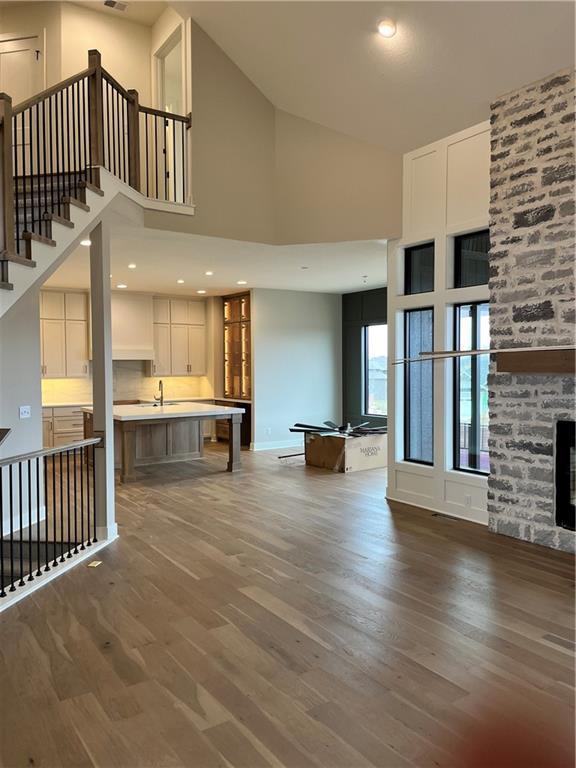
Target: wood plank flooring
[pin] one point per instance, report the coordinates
(284, 616)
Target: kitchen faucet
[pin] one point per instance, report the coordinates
(161, 398)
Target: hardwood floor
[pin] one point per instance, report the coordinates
(284, 616)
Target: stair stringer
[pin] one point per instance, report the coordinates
(118, 198)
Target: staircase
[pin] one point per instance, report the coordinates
(64, 155)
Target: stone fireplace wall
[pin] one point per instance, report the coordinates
(531, 300)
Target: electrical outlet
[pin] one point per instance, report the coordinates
(25, 411)
(468, 500)
(268, 431)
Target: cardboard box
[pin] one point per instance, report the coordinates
(341, 453)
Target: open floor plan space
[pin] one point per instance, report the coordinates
(283, 616)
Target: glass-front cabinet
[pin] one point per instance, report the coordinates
(237, 347)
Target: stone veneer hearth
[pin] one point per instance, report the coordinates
(532, 300)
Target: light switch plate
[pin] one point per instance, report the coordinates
(25, 411)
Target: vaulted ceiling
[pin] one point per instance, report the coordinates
(324, 61)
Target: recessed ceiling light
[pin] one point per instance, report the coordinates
(87, 242)
(121, 285)
(387, 28)
(131, 266)
(201, 291)
(180, 281)
(304, 267)
(241, 282)
(209, 274)
(110, 277)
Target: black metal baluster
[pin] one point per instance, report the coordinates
(146, 154)
(89, 132)
(84, 156)
(76, 124)
(2, 590)
(70, 152)
(46, 514)
(89, 542)
(54, 204)
(45, 166)
(182, 133)
(31, 171)
(82, 455)
(94, 538)
(38, 207)
(16, 184)
(68, 518)
(61, 155)
(11, 506)
(106, 92)
(61, 462)
(114, 116)
(125, 139)
(55, 535)
(174, 158)
(38, 569)
(75, 506)
(21, 520)
(165, 156)
(31, 565)
(156, 150)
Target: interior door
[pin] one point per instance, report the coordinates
(179, 350)
(21, 72)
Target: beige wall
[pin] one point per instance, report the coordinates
(332, 187)
(32, 18)
(124, 45)
(233, 148)
(19, 375)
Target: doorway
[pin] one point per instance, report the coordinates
(21, 66)
(170, 80)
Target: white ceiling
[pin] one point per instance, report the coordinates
(162, 258)
(325, 62)
(142, 11)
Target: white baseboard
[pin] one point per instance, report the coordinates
(275, 446)
(39, 581)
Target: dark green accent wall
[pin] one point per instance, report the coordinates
(358, 309)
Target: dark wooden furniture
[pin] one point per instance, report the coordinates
(223, 427)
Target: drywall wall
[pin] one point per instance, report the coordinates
(297, 375)
(446, 192)
(20, 375)
(124, 45)
(33, 18)
(232, 148)
(331, 187)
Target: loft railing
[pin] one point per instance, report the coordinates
(47, 511)
(52, 145)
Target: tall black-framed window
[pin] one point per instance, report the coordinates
(471, 259)
(419, 268)
(471, 332)
(419, 387)
(376, 369)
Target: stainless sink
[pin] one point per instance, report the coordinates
(154, 405)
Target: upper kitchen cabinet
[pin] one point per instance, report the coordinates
(132, 326)
(186, 312)
(64, 334)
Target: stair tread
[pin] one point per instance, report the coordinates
(58, 219)
(5, 286)
(15, 259)
(91, 187)
(76, 202)
(38, 238)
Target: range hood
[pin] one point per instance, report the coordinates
(132, 326)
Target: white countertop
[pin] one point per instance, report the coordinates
(176, 411)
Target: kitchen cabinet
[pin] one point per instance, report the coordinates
(132, 326)
(62, 425)
(162, 363)
(237, 347)
(63, 334)
(47, 441)
(179, 338)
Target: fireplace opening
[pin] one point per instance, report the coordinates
(565, 473)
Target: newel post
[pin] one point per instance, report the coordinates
(7, 243)
(134, 139)
(96, 110)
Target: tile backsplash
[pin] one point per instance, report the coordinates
(130, 383)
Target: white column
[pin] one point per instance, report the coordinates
(102, 381)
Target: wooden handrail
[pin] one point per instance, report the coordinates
(168, 115)
(52, 90)
(113, 82)
(49, 451)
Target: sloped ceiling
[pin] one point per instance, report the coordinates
(325, 62)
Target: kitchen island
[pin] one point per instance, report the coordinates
(154, 434)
